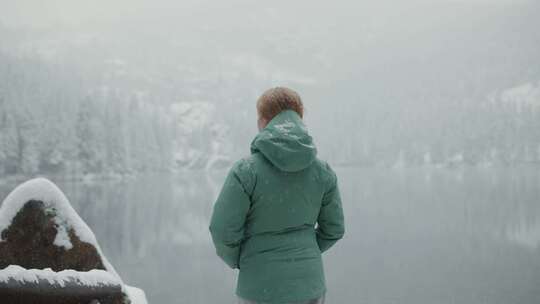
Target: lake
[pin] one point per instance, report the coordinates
(422, 236)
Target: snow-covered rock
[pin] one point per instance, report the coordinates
(43, 238)
(39, 227)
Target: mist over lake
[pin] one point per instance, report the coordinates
(418, 235)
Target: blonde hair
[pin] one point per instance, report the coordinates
(278, 99)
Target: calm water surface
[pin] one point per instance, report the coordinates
(422, 236)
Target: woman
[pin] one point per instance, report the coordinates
(263, 222)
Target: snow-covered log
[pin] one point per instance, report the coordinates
(19, 285)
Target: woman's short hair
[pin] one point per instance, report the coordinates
(278, 99)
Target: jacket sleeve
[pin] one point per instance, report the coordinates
(331, 223)
(229, 215)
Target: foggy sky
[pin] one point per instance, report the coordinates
(39, 13)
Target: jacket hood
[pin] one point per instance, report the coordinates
(285, 142)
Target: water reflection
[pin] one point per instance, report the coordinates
(413, 236)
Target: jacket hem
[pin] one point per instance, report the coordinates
(251, 297)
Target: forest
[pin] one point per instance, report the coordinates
(82, 102)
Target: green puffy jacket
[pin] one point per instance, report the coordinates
(263, 222)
